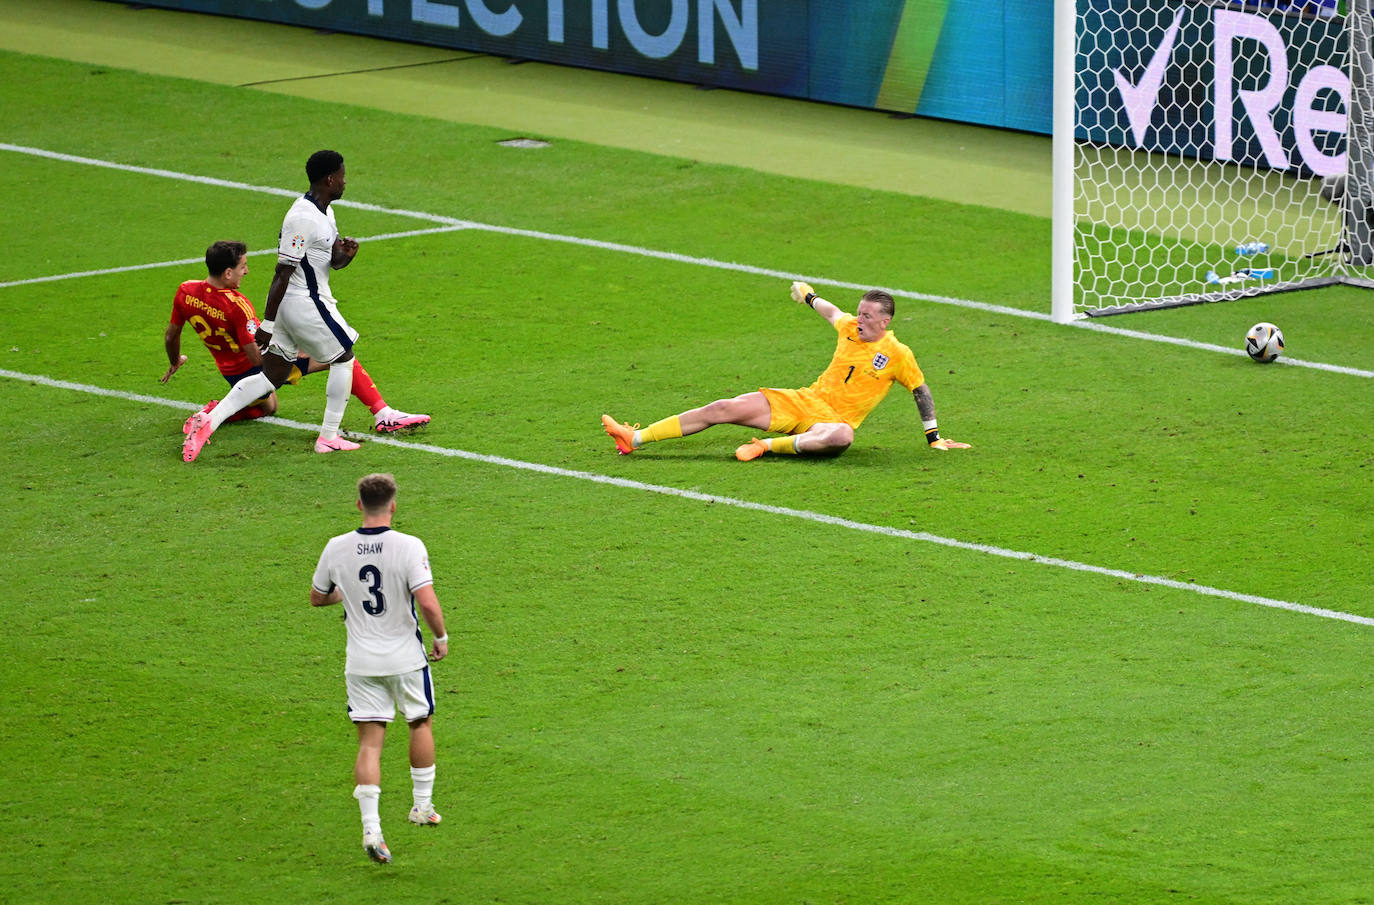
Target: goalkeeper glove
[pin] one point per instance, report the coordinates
(802, 293)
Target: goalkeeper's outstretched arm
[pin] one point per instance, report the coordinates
(803, 294)
(926, 406)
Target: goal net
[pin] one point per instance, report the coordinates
(1208, 150)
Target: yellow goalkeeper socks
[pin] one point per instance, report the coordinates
(785, 446)
(667, 429)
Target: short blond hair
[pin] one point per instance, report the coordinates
(884, 300)
(376, 491)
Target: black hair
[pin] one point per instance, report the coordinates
(224, 255)
(321, 164)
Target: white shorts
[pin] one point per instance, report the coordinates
(313, 327)
(374, 699)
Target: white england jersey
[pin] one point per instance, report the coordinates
(378, 570)
(307, 241)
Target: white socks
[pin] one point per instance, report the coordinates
(422, 785)
(240, 396)
(367, 803)
(336, 393)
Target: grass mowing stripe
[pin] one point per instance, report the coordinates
(183, 262)
(680, 258)
(806, 515)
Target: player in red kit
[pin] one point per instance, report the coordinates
(226, 323)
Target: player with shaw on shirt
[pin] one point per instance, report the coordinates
(381, 576)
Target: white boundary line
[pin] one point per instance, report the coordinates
(649, 253)
(802, 514)
(1226, 350)
(221, 183)
(201, 260)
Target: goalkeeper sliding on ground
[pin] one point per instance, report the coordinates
(819, 420)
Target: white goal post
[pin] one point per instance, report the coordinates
(1207, 150)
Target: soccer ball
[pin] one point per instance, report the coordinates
(1264, 342)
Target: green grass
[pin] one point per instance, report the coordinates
(654, 699)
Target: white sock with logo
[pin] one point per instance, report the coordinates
(368, 798)
(336, 393)
(422, 785)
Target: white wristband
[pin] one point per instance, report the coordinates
(441, 640)
(266, 325)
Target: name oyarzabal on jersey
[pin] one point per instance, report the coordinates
(224, 320)
(377, 571)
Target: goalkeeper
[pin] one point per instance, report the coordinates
(819, 420)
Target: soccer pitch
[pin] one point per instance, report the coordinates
(1115, 652)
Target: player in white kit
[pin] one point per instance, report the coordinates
(381, 575)
(300, 312)
(300, 315)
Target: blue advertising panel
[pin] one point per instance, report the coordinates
(980, 61)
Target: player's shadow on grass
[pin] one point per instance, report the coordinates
(850, 458)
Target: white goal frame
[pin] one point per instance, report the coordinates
(1345, 251)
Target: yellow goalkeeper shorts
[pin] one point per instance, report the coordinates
(797, 411)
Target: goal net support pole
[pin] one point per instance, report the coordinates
(1359, 194)
(1062, 237)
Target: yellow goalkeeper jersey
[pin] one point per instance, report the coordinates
(860, 374)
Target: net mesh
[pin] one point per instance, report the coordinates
(1210, 151)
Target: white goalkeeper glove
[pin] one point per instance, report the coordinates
(803, 294)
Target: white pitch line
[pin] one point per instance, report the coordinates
(220, 183)
(666, 256)
(716, 264)
(802, 514)
(183, 262)
(1225, 350)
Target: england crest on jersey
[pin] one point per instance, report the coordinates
(879, 361)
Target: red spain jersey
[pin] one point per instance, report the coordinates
(224, 320)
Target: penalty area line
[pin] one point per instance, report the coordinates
(219, 183)
(184, 262)
(696, 496)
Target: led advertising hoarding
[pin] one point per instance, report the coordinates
(981, 61)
